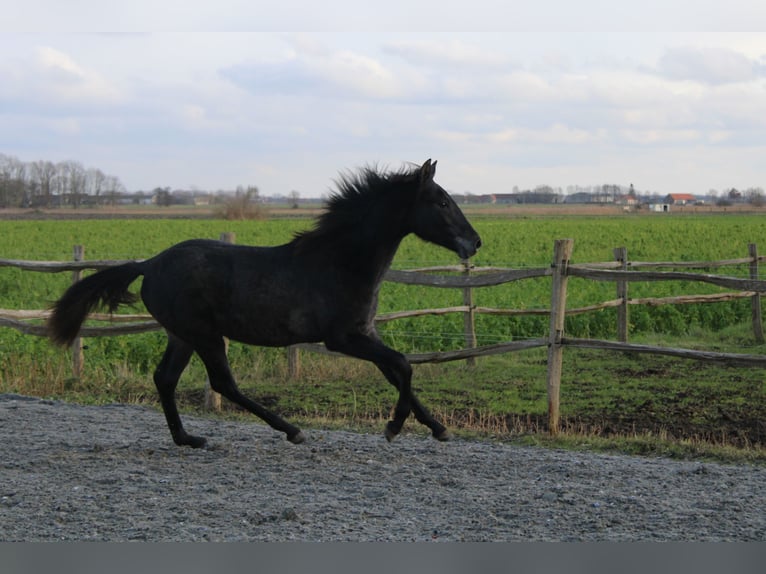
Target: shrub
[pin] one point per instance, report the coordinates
(244, 205)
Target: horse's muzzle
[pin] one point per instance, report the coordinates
(468, 247)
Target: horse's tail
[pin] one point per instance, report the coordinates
(108, 287)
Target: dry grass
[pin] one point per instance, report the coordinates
(239, 208)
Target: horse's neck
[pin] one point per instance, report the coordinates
(373, 254)
(365, 247)
(384, 260)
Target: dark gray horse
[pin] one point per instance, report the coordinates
(320, 287)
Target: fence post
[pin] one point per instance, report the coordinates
(621, 255)
(562, 251)
(78, 359)
(293, 362)
(213, 399)
(755, 301)
(469, 317)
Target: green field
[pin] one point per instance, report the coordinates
(516, 243)
(114, 364)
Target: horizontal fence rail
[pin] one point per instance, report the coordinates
(730, 359)
(719, 280)
(467, 277)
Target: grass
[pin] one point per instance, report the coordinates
(516, 242)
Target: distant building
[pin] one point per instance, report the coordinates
(680, 198)
(659, 207)
(579, 197)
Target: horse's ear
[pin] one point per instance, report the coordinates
(427, 171)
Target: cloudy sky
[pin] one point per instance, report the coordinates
(283, 95)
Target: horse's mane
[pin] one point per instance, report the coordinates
(356, 195)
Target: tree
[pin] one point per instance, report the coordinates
(244, 205)
(13, 184)
(43, 174)
(37, 183)
(163, 196)
(72, 175)
(755, 197)
(8, 184)
(95, 180)
(294, 197)
(112, 188)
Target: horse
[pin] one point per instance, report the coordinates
(322, 286)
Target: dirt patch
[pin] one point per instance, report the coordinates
(73, 472)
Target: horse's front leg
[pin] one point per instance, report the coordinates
(421, 413)
(398, 372)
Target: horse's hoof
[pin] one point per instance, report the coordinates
(297, 438)
(389, 434)
(443, 436)
(192, 441)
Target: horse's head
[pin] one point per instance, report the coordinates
(437, 218)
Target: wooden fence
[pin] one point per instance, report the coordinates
(465, 277)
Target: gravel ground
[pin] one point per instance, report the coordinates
(72, 472)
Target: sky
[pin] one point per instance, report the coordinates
(286, 95)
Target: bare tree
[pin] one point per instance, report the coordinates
(754, 196)
(73, 178)
(13, 185)
(163, 196)
(95, 179)
(112, 188)
(37, 183)
(43, 174)
(245, 204)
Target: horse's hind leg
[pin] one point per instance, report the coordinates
(174, 361)
(222, 381)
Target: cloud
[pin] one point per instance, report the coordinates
(558, 134)
(69, 80)
(361, 74)
(51, 79)
(708, 65)
(60, 63)
(451, 55)
(413, 72)
(662, 137)
(462, 93)
(310, 69)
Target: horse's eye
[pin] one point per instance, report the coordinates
(443, 203)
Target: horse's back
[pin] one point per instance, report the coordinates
(258, 295)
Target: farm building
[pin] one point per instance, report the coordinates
(659, 207)
(680, 199)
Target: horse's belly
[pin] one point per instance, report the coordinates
(277, 329)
